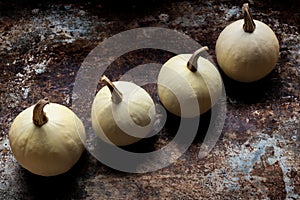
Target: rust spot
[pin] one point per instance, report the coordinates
(272, 178)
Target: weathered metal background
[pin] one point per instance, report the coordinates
(42, 45)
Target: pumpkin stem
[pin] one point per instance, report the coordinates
(39, 116)
(249, 25)
(116, 95)
(192, 63)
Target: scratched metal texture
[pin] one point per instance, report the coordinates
(42, 45)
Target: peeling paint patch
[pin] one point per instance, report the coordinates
(266, 150)
(40, 67)
(25, 92)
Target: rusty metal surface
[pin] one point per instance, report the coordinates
(258, 154)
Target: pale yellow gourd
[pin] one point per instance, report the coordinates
(189, 84)
(247, 50)
(122, 113)
(46, 138)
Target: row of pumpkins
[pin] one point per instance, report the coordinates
(46, 140)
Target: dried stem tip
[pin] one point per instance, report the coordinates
(193, 61)
(116, 95)
(249, 25)
(39, 116)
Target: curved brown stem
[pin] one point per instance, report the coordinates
(192, 63)
(116, 95)
(39, 116)
(249, 25)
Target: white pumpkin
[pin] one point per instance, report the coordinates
(46, 138)
(189, 84)
(247, 50)
(122, 113)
